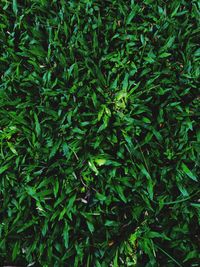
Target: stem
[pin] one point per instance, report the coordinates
(169, 256)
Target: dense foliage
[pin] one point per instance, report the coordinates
(99, 133)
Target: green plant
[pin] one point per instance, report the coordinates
(99, 133)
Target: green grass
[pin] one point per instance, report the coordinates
(99, 133)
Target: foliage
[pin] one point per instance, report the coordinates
(99, 133)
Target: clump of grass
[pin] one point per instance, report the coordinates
(99, 133)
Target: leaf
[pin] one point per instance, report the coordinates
(196, 205)
(66, 235)
(115, 263)
(183, 190)
(110, 223)
(125, 82)
(55, 148)
(65, 150)
(145, 172)
(45, 228)
(93, 167)
(10, 145)
(37, 125)
(164, 55)
(146, 120)
(150, 189)
(170, 41)
(15, 8)
(121, 193)
(90, 226)
(133, 89)
(100, 113)
(56, 188)
(100, 162)
(71, 202)
(152, 234)
(198, 135)
(3, 168)
(62, 214)
(149, 181)
(100, 197)
(15, 250)
(175, 10)
(188, 172)
(130, 17)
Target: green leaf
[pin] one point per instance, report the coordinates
(101, 197)
(164, 55)
(37, 125)
(93, 167)
(125, 83)
(115, 263)
(90, 226)
(196, 205)
(3, 168)
(100, 162)
(15, 251)
(121, 193)
(56, 188)
(66, 235)
(150, 189)
(55, 148)
(15, 8)
(146, 120)
(145, 172)
(65, 149)
(12, 148)
(188, 172)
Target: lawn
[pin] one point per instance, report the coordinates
(99, 133)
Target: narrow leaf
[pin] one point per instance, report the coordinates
(188, 172)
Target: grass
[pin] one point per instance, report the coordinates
(99, 133)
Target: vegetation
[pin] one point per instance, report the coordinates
(99, 133)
